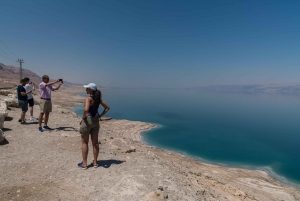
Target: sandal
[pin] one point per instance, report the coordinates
(80, 165)
(95, 166)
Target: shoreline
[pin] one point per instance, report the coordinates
(43, 166)
(266, 169)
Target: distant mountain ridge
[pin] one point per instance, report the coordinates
(10, 76)
(266, 88)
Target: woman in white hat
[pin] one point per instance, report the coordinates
(90, 123)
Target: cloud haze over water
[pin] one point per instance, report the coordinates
(154, 43)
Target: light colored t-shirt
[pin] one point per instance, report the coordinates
(45, 91)
(28, 87)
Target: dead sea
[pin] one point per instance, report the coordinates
(43, 166)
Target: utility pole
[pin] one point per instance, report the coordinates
(20, 61)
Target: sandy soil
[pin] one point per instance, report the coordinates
(43, 166)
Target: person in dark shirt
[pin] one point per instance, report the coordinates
(22, 99)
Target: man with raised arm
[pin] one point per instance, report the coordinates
(45, 89)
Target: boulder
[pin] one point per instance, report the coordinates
(3, 113)
(12, 100)
(12, 95)
(2, 118)
(5, 92)
(130, 150)
(3, 108)
(1, 136)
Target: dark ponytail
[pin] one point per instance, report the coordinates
(97, 97)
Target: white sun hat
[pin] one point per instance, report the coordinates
(92, 86)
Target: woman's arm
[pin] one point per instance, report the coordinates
(86, 107)
(106, 108)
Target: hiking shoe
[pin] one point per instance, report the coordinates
(46, 128)
(33, 119)
(23, 122)
(41, 129)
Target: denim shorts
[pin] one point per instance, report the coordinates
(24, 105)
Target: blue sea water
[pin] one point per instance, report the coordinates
(251, 130)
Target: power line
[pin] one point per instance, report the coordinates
(8, 48)
(6, 57)
(7, 54)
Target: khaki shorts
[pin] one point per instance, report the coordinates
(89, 125)
(45, 106)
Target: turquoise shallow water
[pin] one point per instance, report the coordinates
(252, 130)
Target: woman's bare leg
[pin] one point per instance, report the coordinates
(95, 148)
(31, 111)
(85, 148)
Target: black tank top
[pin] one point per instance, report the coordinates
(93, 110)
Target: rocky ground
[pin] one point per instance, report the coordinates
(43, 166)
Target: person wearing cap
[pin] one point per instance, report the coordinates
(45, 89)
(22, 100)
(90, 123)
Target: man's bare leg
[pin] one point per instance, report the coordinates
(22, 116)
(46, 118)
(41, 119)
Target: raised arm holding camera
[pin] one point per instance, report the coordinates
(45, 89)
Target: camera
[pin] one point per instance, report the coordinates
(61, 80)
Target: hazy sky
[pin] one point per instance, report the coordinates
(154, 43)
